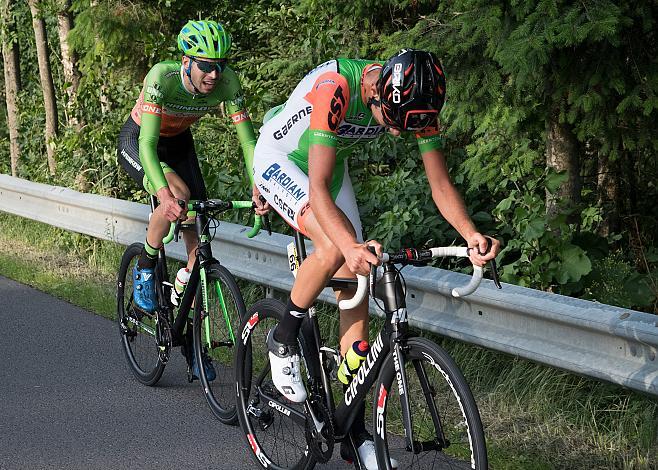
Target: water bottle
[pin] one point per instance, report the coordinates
(352, 361)
(182, 276)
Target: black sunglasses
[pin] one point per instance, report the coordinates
(208, 67)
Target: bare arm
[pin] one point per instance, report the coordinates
(321, 162)
(452, 207)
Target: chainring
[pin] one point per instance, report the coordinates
(321, 443)
(163, 338)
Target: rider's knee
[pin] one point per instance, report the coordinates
(181, 192)
(330, 257)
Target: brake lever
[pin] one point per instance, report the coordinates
(177, 227)
(494, 274)
(492, 262)
(266, 223)
(373, 273)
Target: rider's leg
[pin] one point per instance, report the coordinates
(191, 184)
(312, 277)
(353, 322)
(159, 225)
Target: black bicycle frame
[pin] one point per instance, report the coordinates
(391, 338)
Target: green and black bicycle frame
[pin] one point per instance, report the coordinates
(204, 261)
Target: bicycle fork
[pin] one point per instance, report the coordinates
(389, 290)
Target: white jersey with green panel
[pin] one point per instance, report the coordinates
(325, 108)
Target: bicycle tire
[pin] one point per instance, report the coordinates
(452, 397)
(139, 344)
(212, 337)
(276, 440)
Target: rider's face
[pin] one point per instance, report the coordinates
(204, 81)
(377, 114)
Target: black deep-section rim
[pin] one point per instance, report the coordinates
(386, 398)
(259, 319)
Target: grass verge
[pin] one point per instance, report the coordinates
(535, 417)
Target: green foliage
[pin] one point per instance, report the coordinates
(511, 67)
(615, 281)
(542, 253)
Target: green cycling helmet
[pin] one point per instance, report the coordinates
(206, 39)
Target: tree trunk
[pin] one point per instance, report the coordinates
(46, 77)
(562, 155)
(69, 58)
(608, 190)
(103, 88)
(12, 71)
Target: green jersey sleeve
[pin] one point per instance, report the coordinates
(237, 111)
(152, 100)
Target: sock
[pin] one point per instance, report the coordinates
(286, 332)
(148, 258)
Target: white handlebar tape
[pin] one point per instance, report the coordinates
(457, 251)
(471, 286)
(361, 292)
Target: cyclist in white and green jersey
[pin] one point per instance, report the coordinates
(300, 167)
(156, 145)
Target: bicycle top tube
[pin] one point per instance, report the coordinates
(411, 256)
(214, 206)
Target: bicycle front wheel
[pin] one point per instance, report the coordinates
(217, 316)
(273, 426)
(445, 423)
(138, 330)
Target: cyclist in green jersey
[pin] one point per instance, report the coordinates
(156, 145)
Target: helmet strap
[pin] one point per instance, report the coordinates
(373, 101)
(188, 73)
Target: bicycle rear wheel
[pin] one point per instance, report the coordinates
(138, 330)
(215, 334)
(447, 431)
(274, 427)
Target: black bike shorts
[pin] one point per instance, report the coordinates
(176, 154)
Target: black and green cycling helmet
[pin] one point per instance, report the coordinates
(207, 39)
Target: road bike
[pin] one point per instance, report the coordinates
(427, 419)
(211, 294)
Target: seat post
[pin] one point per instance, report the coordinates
(301, 246)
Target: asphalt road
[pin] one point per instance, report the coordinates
(68, 400)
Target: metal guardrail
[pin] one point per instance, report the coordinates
(588, 338)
